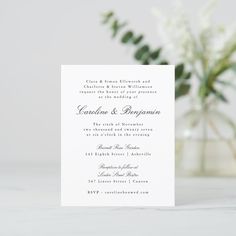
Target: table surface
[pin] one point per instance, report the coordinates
(30, 206)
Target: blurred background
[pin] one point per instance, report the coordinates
(38, 36)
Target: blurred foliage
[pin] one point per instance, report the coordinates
(144, 54)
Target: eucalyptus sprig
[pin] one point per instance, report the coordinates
(144, 53)
(202, 55)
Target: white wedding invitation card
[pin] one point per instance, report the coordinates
(117, 135)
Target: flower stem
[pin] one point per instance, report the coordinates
(204, 139)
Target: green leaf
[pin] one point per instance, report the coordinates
(163, 63)
(127, 37)
(203, 91)
(187, 76)
(219, 95)
(179, 69)
(182, 90)
(107, 16)
(116, 27)
(142, 53)
(155, 54)
(137, 40)
(146, 62)
(226, 83)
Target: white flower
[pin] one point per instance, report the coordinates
(197, 49)
(176, 33)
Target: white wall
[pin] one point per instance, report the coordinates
(37, 37)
